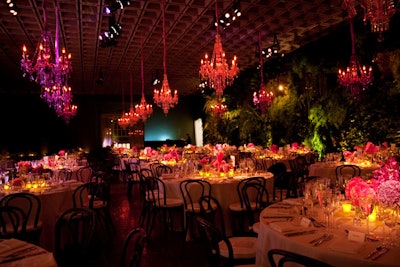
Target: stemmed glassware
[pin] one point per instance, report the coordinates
(367, 206)
(391, 219)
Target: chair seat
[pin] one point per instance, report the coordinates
(171, 203)
(237, 207)
(243, 247)
(256, 227)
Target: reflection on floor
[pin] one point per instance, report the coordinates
(160, 251)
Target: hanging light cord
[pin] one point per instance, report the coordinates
(141, 65)
(261, 58)
(164, 39)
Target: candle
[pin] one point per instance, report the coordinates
(6, 187)
(372, 216)
(346, 207)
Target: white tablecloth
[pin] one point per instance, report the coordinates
(326, 252)
(223, 189)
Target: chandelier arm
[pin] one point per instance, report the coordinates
(164, 38)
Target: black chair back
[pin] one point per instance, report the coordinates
(133, 247)
(13, 222)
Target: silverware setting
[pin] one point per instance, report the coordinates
(377, 252)
(307, 232)
(323, 240)
(318, 238)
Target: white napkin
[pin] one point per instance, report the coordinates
(284, 227)
(293, 201)
(347, 246)
(10, 246)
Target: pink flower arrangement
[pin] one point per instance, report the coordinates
(22, 164)
(295, 145)
(274, 148)
(358, 188)
(388, 183)
(149, 152)
(173, 155)
(17, 182)
(370, 148)
(61, 153)
(251, 145)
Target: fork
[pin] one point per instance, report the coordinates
(327, 238)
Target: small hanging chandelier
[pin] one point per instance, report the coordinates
(144, 110)
(377, 12)
(219, 109)
(262, 99)
(355, 78)
(216, 71)
(163, 97)
(123, 122)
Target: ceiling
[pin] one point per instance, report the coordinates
(189, 35)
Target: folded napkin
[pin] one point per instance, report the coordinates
(168, 176)
(347, 246)
(285, 227)
(10, 246)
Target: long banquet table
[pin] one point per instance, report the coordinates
(339, 251)
(223, 189)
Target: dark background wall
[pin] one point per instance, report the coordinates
(29, 125)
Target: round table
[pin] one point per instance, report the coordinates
(17, 253)
(339, 251)
(328, 170)
(223, 189)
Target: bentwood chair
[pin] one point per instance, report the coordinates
(282, 257)
(13, 222)
(31, 205)
(192, 190)
(238, 209)
(84, 174)
(74, 233)
(282, 180)
(133, 247)
(224, 251)
(161, 206)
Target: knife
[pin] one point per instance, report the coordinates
(300, 233)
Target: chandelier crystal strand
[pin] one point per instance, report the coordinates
(163, 97)
(133, 116)
(355, 78)
(144, 110)
(216, 71)
(123, 122)
(262, 99)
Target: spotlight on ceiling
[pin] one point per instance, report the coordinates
(12, 7)
(271, 51)
(231, 15)
(113, 6)
(109, 38)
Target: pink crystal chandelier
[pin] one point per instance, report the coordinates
(377, 12)
(355, 78)
(164, 97)
(219, 109)
(51, 71)
(216, 71)
(143, 109)
(262, 99)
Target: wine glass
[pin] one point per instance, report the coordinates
(367, 206)
(390, 219)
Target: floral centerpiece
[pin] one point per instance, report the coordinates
(388, 183)
(173, 156)
(358, 188)
(23, 167)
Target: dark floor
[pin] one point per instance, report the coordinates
(159, 251)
